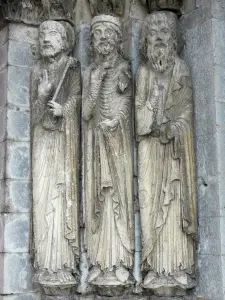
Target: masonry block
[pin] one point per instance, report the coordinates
(3, 86)
(17, 196)
(18, 86)
(18, 127)
(20, 54)
(2, 123)
(16, 232)
(16, 273)
(18, 160)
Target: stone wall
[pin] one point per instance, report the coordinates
(15, 62)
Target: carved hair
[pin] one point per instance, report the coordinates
(159, 16)
(66, 31)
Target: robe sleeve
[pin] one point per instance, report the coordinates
(143, 109)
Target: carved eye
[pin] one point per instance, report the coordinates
(109, 32)
(165, 30)
(97, 32)
(53, 33)
(41, 35)
(152, 32)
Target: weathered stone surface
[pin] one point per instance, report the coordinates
(205, 148)
(3, 86)
(23, 33)
(16, 232)
(209, 242)
(27, 296)
(210, 277)
(18, 125)
(4, 35)
(2, 123)
(18, 160)
(20, 54)
(207, 190)
(2, 195)
(2, 159)
(17, 196)
(18, 86)
(17, 273)
(3, 56)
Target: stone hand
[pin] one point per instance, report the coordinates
(171, 132)
(55, 108)
(98, 75)
(45, 87)
(108, 125)
(124, 81)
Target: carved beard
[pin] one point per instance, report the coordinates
(161, 57)
(105, 47)
(49, 51)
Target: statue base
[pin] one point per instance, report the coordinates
(168, 286)
(58, 290)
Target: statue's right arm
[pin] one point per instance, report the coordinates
(89, 96)
(143, 112)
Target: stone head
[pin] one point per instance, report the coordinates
(106, 34)
(55, 38)
(159, 36)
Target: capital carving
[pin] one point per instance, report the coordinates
(115, 7)
(171, 5)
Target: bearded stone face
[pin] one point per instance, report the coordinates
(160, 45)
(104, 38)
(51, 40)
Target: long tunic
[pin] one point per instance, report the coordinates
(55, 158)
(166, 173)
(108, 171)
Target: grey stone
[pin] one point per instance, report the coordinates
(2, 123)
(206, 147)
(222, 225)
(27, 296)
(20, 54)
(3, 56)
(2, 231)
(18, 125)
(23, 33)
(2, 159)
(219, 83)
(18, 160)
(218, 9)
(209, 236)
(210, 281)
(2, 195)
(196, 17)
(207, 191)
(3, 86)
(18, 86)
(218, 32)
(17, 196)
(4, 35)
(83, 48)
(188, 6)
(16, 232)
(17, 273)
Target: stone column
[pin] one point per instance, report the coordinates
(204, 52)
(15, 61)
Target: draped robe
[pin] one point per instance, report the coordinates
(166, 172)
(108, 170)
(55, 158)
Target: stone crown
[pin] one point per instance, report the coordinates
(106, 18)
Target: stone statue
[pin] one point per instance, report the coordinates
(55, 108)
(107, 98)
(166, 169)
(107, 6)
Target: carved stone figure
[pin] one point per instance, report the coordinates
(108, 157)
(166, 170)
(172, 5)
(107, 7)
(55, 107)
